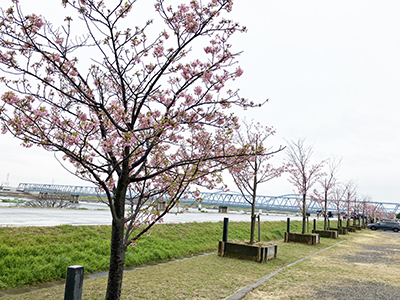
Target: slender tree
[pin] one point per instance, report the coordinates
(129, 108)
(257, 168)
(303, 174)
(357, 208)
(350, 191)
(365, 199)
(380, 212)
(338, 196)
(327, 183)
(370, 210)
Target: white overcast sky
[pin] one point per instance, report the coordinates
(330, 70)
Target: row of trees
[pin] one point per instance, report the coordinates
(136, 110)
(319, 181)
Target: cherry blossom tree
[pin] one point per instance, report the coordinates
(327, 183)
(303, 174)
(365, 200)
(357, 209)
(350, 192)
(255, 169)
(380, 212)
(391, 215)
(370, 209)
(317, 198)
(131, 108)
(338, 195)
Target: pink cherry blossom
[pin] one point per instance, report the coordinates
(142, 120)
(59, 41)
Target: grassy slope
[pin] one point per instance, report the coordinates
(30, 255)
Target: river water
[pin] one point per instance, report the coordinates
(98, 214)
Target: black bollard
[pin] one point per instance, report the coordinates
(315, 224)
(225, 230)
(288, 225)
(74, 283)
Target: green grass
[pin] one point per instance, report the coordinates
(30, 255)
(13, 201)
(202, 277)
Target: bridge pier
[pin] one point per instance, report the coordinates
(160, 205)
(43, 195)
(223, 209)
(74, 199)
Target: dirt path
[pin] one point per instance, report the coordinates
(365, 267)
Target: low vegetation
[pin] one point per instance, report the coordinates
(30, 255)
(12, 200)
(202, 277)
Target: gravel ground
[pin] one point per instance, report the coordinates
(367, 290)
(355, 290)
(366, 267)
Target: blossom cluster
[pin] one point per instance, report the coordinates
(144, 110)
(34, 24)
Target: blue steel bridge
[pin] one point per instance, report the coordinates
(288, 203)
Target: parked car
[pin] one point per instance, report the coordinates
(385, 225)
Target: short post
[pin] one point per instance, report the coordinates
(225, 230)
(288, 225)
(74, 283)
(315, 224)
(329, 224)
(259, 228)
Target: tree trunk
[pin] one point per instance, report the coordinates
(326, 207)
(253, 203)
(117, 261)
(253, 222)
(118, 249)
(303, 230)
(362, 218)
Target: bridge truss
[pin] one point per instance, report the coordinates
(60, 189)
(290, 202)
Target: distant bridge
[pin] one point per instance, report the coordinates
(290, 202)
(60, 189)
(231, 199)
